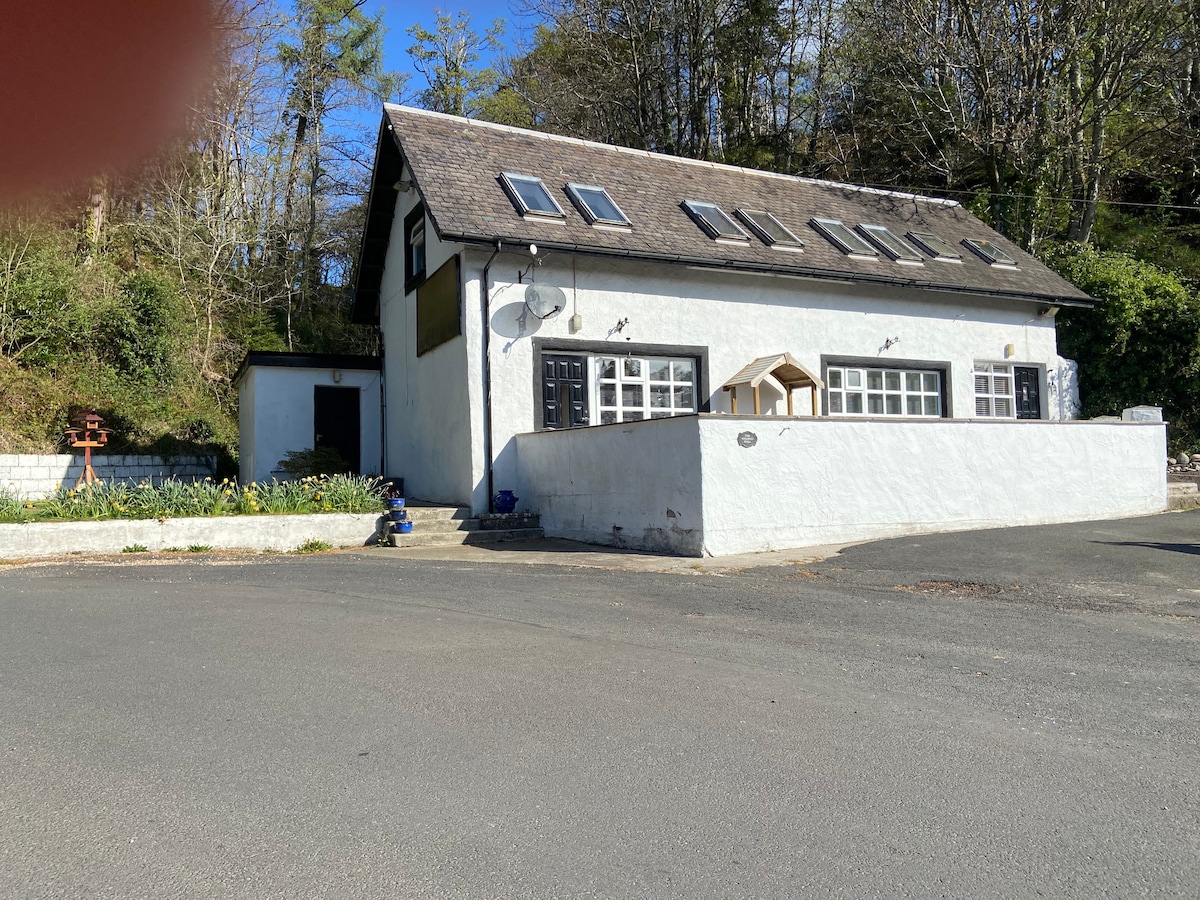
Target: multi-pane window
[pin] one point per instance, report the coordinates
(994, 397)
(769, 229)
(629, 389)
(854, 391)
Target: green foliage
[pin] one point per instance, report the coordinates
(447, 58)
(11, 509)
(135, 548)
(181, 499)
(313, 462)
(38, 309)
(137, 337)
(199, 548)
(1141, 345)
(313, 545)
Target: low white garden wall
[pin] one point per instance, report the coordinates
(281, 533)
(718, 485)
(34, 477)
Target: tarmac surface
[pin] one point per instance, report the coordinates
(1010, 713)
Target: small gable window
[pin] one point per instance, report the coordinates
(530, 196)
(990, 253)
(769, 229)
(843, 238)
(890, 244)
(414, 248)
(934, 246)
(714, 221)
(595, 204)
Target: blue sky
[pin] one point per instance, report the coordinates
(398, 16)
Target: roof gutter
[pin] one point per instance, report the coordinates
(701, 262)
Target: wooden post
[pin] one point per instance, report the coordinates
(815, 410)
(757, 412)
(733, 400)
(789, 393)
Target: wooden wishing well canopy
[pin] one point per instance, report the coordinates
(781, 372)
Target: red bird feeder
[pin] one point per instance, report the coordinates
(87, 433)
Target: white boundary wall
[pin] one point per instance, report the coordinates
(773, 483)
(633, 485)
(33, 476)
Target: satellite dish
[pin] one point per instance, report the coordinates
(544, 300)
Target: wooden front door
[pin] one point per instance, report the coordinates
(1027, 382)
(564, 391)
(336, 424)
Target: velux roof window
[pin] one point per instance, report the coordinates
(934, 246)
(990, 253)
(843, 238)
(890, 244)
(769, 229)
(595, 204)
(716, 224)
(530, 196)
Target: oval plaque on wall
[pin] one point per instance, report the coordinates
(747, 439)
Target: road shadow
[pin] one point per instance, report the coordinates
(1193, 549)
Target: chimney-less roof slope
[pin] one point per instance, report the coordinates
(456, 164)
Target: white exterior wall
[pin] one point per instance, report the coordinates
(636, 484)
(836, 480)
(804, 481)
(740, 317)
(430, 399)
(279, 417)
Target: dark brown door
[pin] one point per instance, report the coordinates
(1027, 382)
(564, 391)
(336, 423)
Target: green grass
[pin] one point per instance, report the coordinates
(199, 548)
(313, 545)
(174, 499)
(135, 548)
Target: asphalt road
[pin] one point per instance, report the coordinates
(998, 714)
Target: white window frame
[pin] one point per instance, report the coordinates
(990, 253)
(850, 391)
(995, 390)
(635, 391)
(896, 249)
(783, 238)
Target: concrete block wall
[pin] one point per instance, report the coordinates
(26, 476)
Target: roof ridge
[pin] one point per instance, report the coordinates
(581, 142)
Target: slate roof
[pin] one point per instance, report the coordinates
(456, 165)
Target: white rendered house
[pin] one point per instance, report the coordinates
(671, 354)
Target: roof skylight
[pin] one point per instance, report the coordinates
(716, 224)
(890, 244)
(843, 238)
(990, 253)
(769, 229)
(530, 196)
(595, 204)
(934, 246)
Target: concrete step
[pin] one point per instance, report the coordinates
(1183, 494)
(448, 525)
(417, 538)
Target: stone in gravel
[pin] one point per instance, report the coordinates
(1183, 459)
